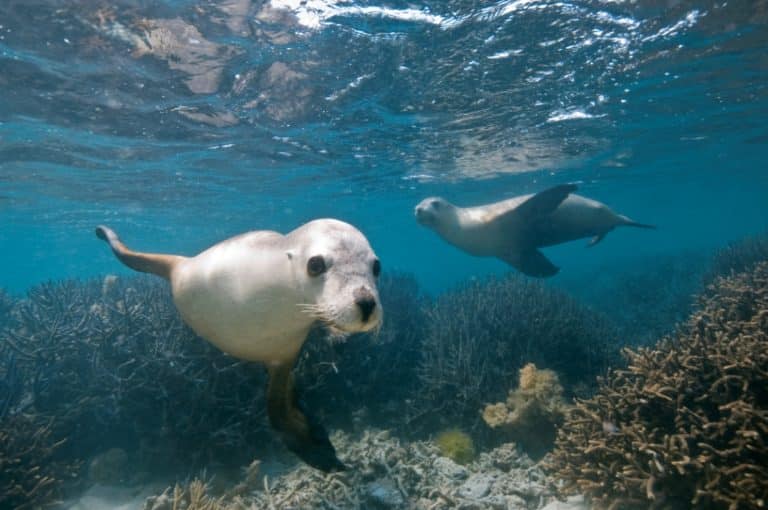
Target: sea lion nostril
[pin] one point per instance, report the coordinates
(365, 301)
(366, 307)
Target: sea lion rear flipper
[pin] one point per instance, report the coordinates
(301, 433)
(532, 263)
(156, 263)
(632, 223)
(544, 202)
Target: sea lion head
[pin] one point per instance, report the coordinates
(338, 270)
(434, 211)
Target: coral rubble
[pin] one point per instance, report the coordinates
(388, 474)
(532, 411)
(685, 424)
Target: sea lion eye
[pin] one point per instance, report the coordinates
(435, 204)
(316, 265)
(376, 268)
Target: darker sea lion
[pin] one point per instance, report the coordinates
(514, 229)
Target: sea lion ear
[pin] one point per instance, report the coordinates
(289, 254)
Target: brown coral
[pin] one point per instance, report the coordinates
(30, 475)
(532, 411)
(685, 424)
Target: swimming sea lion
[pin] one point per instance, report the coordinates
(514, 229)
(256, 296)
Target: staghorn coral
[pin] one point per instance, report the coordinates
(31, 475)
(6, 305)
(192, 496)
(685, 424)
(456, 445)
(480, 335)
(646, 297)
(114, 365)
(532, 411)
(737, 257)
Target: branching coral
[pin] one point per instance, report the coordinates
(685, 424)
(532, 411)
(192, 496)
(648, 297)
(738, 256)
(111, 359)
(30, 474)
(479, 336)
(6, 305)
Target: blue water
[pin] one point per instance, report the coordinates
(181, 123)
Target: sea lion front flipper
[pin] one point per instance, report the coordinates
(596, 239)
(532, 263)
(301, 433)
(544, 202)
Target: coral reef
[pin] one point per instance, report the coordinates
(737, 257)
(685, 424)
(112, 362)
(31, 475)
(647, 297)
(114, 365)
(6, 305)
(386, 473)
(456, 445)
(532, 411)
(479, 336)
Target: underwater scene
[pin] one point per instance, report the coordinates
(383, 254)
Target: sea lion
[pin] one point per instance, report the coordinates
(256, 296)
(514, 229)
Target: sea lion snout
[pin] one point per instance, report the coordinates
(366, 301)
(423, 214)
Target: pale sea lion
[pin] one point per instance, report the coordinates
(256, 296)
(514, 229)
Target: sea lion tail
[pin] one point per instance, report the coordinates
(631, 223)
(155, 263)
